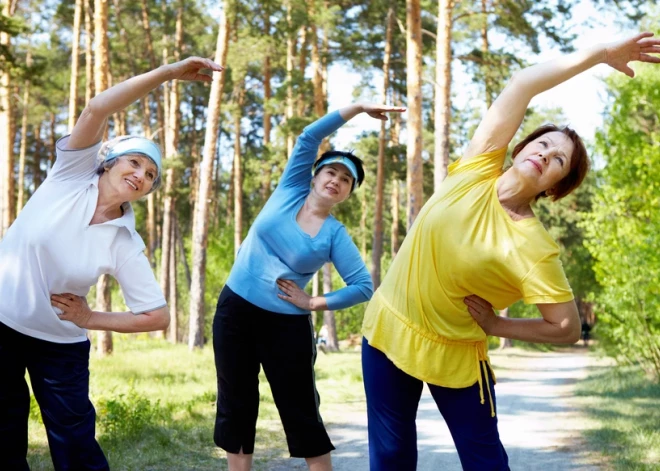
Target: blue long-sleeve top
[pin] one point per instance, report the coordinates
(277, 247)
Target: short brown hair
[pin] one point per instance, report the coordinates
(579, 160)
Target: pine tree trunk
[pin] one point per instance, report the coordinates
(146, 26)
(315, 293)
(302, 65)
(395, 132)
(265, 184)
(75, 56)
(103, 304)
(37, 175)
(7, 203)
(238, 168)
(290, 58)
(173, 330)
(24, 125)
(328, 315)
(364, 210)
(89, 56)
(443, 58)
(201, 219)
(485, 49)
(101, 70)
(377, 244)
(414, 177)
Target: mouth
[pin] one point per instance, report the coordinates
(131, 184)
(536, 165)
(332, 190)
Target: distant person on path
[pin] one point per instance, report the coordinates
(478, 236)
(586, 333)
(263, 315)
(77, 226)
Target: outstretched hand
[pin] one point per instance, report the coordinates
(189, 69)
(481, 311)
(74, 308)
(378, 111)
(638, 48)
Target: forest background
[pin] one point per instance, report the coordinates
(226, 144)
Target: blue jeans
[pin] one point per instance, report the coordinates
(59, 374)
(392, 400)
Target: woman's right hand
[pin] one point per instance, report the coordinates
(377, 111)
(189, 69)
(638, 48)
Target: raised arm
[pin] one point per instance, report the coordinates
(374, 110)
(91, 124)
(504, 117)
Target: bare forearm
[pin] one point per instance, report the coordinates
(541, 77)
(535, 330)
(127, 322)
(127, 92)
(318, 303)
(351, 111)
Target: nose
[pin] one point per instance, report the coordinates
(543, 157)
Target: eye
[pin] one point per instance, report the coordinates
(150, 176)
(134, 163)
(561, 161)
(544, 144)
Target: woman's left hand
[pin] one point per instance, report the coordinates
(378, 111)
(294, 295)
(638, 48)
(74, 308)
(481, 311)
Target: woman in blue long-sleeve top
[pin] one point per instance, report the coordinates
(263, 313)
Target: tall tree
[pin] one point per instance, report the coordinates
(20, 200)
(201, 216)
(329, 315)
(414, 177)
(377, 245)
(101, 72)
(443, 58)
(75, 56)
(104, 345)
(7, 204)
(239, 93)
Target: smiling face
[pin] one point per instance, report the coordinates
(333, 182)
(132, 175)
(545, 161)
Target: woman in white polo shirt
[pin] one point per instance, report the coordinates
(76, 227)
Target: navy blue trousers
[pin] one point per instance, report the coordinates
(392, 400)
(59, 375)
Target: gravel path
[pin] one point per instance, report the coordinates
(539, 421)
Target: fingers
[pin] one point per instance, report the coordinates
(649, 58)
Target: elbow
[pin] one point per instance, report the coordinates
(570, 334)
(160, 319)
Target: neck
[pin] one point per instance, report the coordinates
(513, 194)
(109, 202)
(317, 206)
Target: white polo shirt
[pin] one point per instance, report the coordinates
(51, 248)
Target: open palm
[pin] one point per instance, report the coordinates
(638, 48)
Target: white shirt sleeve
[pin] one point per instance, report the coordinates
(141, 291)
(73, 164)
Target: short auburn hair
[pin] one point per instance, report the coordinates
(579, 160)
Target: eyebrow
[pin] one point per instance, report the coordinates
(563, 154)
(345, 172)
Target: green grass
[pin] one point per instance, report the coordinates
(155, 407)
(626, 407)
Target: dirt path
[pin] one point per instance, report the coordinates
(539, 424)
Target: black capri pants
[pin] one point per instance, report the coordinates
(246, 337)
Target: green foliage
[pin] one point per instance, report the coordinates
(129, 415)
(623, 229)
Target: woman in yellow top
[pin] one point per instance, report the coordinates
(478, 235)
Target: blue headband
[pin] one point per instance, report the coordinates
(346, 162)
(136, 145)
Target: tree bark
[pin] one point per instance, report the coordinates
(7, 203)
(75, 56)
(89, 56)
(414, 177)
(173, 304)
(24, 125)
(377, 244)
(395, 132)
(505, 343)
(265, 184)
(328, 315)
(290, 57)
(104, 345)
(146, 26)
(238, 168)
(443, 57)
(200, 220)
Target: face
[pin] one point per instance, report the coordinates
(545, 161)
(333, 182)
(133, 175)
